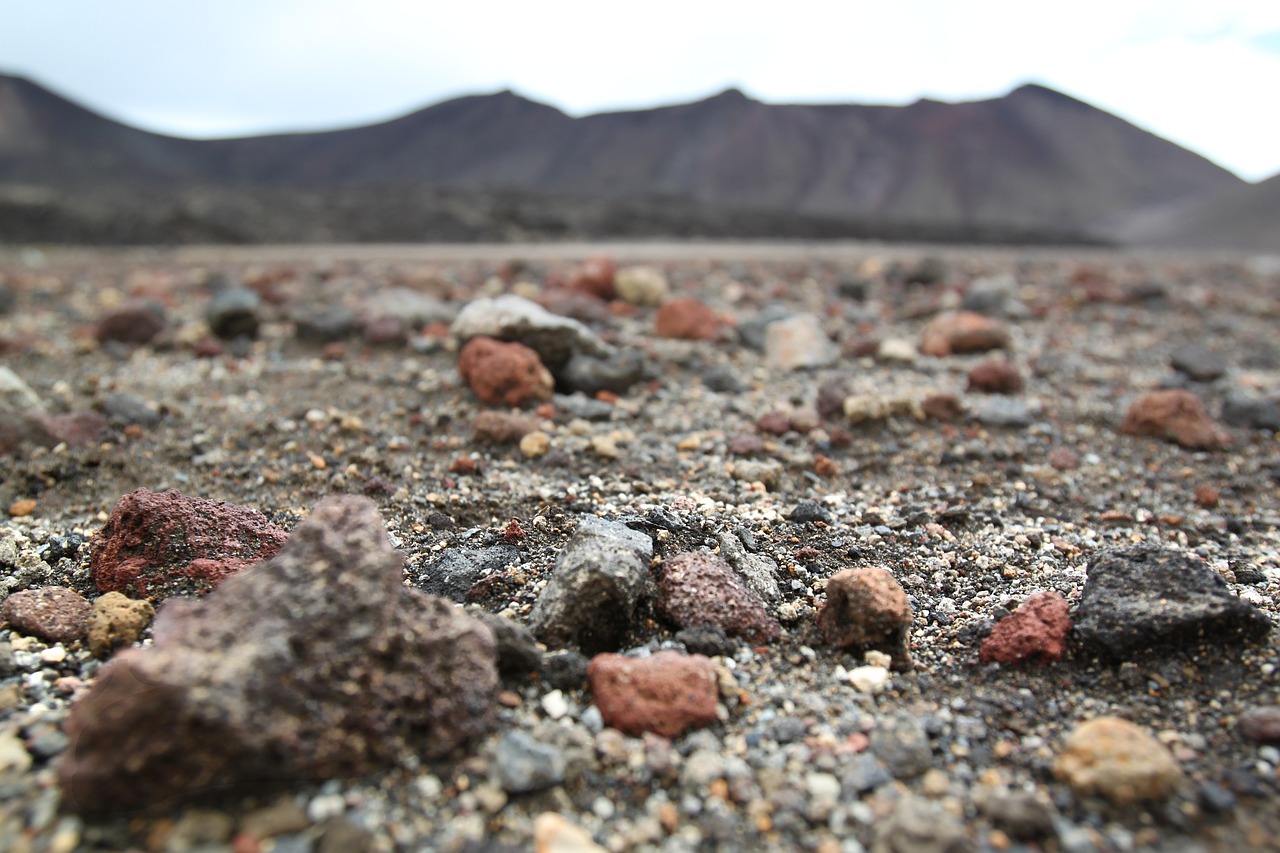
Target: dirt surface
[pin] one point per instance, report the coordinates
(971, 515)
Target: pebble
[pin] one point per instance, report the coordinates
(919, 826)
(14, 757)
(51, 613)
(595, 276)
(641, 285)
(234, 313)
(798, 343)
(759, 572)
(554, 833)
(502, 373)
(555, 339)
(995, 376)
(699, 588)
(1240, 409)
(963, 332)
(1177, 416)
(1037, 630)
(1261, 724)
(1117, 760)
(901, 742)
(1198, 362)
(524, 764)
(591, 374)
(136, 322)
(867, 608)
(686, 318)
(666, 693)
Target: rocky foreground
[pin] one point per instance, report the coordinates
(641, 548)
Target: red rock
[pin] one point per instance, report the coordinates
(1037, 630)
(493, 427)
(135, 322)
(686, 318)
(942, 406)
(54, 613)
(867, 607)
(1207, 495)
(162, 544)
(774, 423)
(385, 331)
(208, 347)
(502, 373)
(666, 693)
(698, 588)
(961, 332)
(75, 429)
(1175, 415)
(595, 276)
(745, 444)
(1261, 724)
(1064, 459)
(995, 376)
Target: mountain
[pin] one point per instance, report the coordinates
(1246, 217)
(1033, 161)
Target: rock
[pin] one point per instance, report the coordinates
(760, 572)
(1003, 412)
(1142, 598)
(1261, 724)
(897, 350)
(233, 313)
(135, 322)
(797, 343)
(1243, 410)
(595, 276)
(565, 670)
(963, 332)
(1019, 813)
(995, 376)
(452, 574)
(553, 833)
(809, 512)
(493, 427)
(1117, 760)
(74, 429)
(411, 308)
(524, 764)
(1037, 630)
(500, 373)
(324, 324)
(920, 826)
(597, 588)
(156, 545)
(513, 318)
(901, 742)
(616, 373)
(686, 318)
(754, 330)
(867, 608)
(927, 271)
(14, 758)
(117, 621)
(992, 295)
(699, 588)
(666, 693)
(52, 613)
(942, 406)
(518, 652)
(317, 664)
(125, 409)
(723, 380)
(17, 396)
(1198, 362)
(641, 286)
(774, 423)
(1177, 416)
(864, 772)
(832, 393)
(706, 640)
(861, 408)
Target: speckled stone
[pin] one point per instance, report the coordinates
(667, 693)
(53, 613)
(1117, 760)
(699, 588)
(867, 608)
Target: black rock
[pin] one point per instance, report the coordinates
(124, 409)
(723, 380)
(62, 546)
(455, 572)
(590, 374)
(233, 313)
(811, 511)
(1143, 597)
(1215, 799)
(708, 640)
(518, 652)
(565, 670)
(1243, 410)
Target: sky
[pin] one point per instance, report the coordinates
(1203, 73)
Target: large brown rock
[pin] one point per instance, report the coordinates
(867, 608)
(54, 613)
(316, 664)
(159, 544)
(504, 373)
(1175, 415)
(666, 693)
(1037, 630)
(698, 588)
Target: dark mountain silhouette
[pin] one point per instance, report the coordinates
(1034, 162)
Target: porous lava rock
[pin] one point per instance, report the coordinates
(159, 544)
(667, 693)
(699, 588)
(52, 613)
(1037, 630)
(117, 621)
(1174, 415)
(316, 664)
(598, 588)
(686, 318)
(1118, 760)
(504, 373)
(995, 376)
(1144, 597)
(867, 608)
(963, 332)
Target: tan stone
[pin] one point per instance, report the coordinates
(1118, 760)
(116, 621)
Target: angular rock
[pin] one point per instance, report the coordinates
(641, 286)
(590, 374)
(1117, 760)
(524, 764)
(1037, 630)
(597, 588)
(513, 318)
(234, 313)
(457, 570)
(760, 572)
(920, 826)
(995, 376)
(1240, 409)
(699, 588)
(1143, 597)
(1174, 415)
(135, 322)
(317, 664)
(666, 693)
(963, 332)
(686, 318)
(157, 545)
(52, 613)
(867, 608)
(797, 343)
(1198, 362)
(117, 621)
(501, 373)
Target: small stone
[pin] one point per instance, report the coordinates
(686, 318)
(135, 322)
(1117, 760)
(644, 286)
(14, 758)
(535, 444)
(760, 572)
(899, 350)
(797, 343)
(554, 833)
(867, 607)
(666, 693)
(919, 826)
(1064, 459)
(809, 512)
(554, 705)
(700, 588)
(494, 427)
(942, 406)
(328, 324)
(832, 393)
(1003, 411)
(963, 332)
(22, 508)
(234, 313)
(501, 373)
(1198, 362)
(902, 743)
(1248, 412)
(565, 670)
(995, 376)
(1261, 724)
(1207, 495)
(513, 318)
(453, 574)
(524, 764)
(282, 817)
(1019, 813)
(595, 276)
(591, 374)
(1177, 416)
(869, 679)
(774, 423)
(53, 613)
(1037, 630)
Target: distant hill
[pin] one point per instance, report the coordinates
(1245, 217)
(1034, 162)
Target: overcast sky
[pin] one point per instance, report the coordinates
(1204, 73)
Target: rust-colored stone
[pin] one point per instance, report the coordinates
(1175, 415)
(699, 588)
(995, 376)
(867, 607)
(961, 332)
(1037, 630)
(686, 318)
(667, 693)
(504, 373)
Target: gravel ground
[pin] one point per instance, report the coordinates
(973, 515)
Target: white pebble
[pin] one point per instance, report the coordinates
(54, 654)
(325, 806)
(869, 679)
(555, 705)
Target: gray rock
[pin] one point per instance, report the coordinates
(865, 772)
(992, 295)
(318, 663)
(759, 571)
(15, 395)
(413, 308)
(723, 380)
(1002, 411)
(752, 330)
(919, 826)
(524, 764)
(518, 652)
(234, 313)
(7, 299)
(590, 374)
(798, 343)
(556, 339)
(1144, 597)
(456, 571)
(570, 406)
(123, 409)
(1240, 409)
(1198, 362)
(324, 325)
(597, 588)
(1019, 813)
(902, 743)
